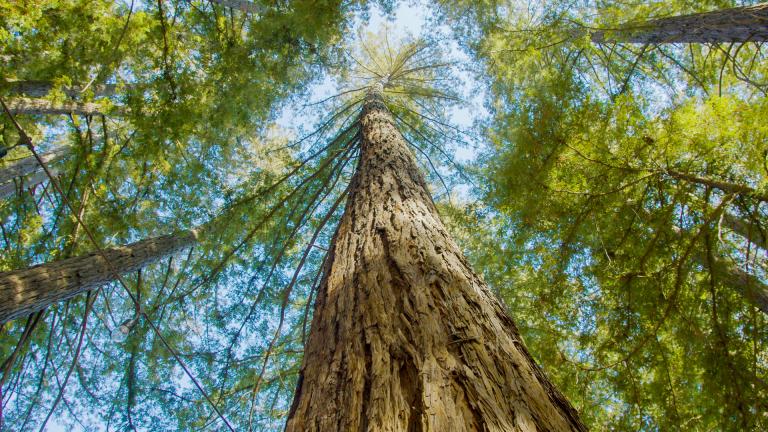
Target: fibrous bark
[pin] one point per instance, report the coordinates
(44, 106)
(742, 24)
(26, 291)
(405, 336)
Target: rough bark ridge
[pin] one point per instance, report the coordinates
(23, 292)
(405, 336)
(743, 24)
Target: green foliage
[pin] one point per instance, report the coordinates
(615, 172)
(621, 212)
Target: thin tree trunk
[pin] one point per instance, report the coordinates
(23, 292)
(29, 165)
(38, 89)
(405, 336)
(44, 106)
(742, 24)
(242, 5)
(12, 187)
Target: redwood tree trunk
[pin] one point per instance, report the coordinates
(38, 88)
(23, 292)
(743, 24)
(13, 187)
(243, 5)
(29, 165)
(44, 106)
(405, 336)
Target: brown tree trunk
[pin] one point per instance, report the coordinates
(405, 336)
(742, 24)
(44, 106)
(23, 292)
(29, 165)
(38, 89)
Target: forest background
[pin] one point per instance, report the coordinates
(611, 193)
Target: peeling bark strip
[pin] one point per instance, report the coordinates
(742, 24)
(23, 292)
(45, 106)
(405, 336)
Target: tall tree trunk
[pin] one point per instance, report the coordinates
(742, 24)
(749, 286)
(44, 106)
(243, 5)
(23, 292)
(12, 187)
(29, 165)
(727, 187)
(746, 230)
(405, 336)
(38, 88)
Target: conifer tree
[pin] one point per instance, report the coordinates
(405, 335)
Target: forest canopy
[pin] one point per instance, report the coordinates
(383, 215)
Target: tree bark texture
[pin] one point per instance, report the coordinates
(22, 105)
(29, 165)
(38, 88)
(405, 336)
(742, 24)
(23, 292)
(12, 187)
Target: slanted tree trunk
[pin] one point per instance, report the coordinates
(22, 105)
(29, 165)
(405, 336)
(243, 5)
(12, 187)
(749, 286)
(23, 292)
(38, 89)
(746, 230)
(727, 187)
(742, 24)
